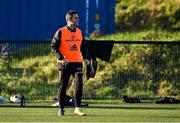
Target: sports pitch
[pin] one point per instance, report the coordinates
(142, 112)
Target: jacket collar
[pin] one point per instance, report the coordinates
(74, 30)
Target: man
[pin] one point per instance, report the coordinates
(69, 47)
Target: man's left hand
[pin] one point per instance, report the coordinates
(87, 62)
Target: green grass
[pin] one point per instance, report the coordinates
(144, 35)
(144, 112)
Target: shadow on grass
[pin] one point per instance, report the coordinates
(135, 107)
(134, 116)
(29, 106)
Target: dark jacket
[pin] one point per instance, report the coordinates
(97, 49)
(100, 49)
(91, 68)
(55, 44)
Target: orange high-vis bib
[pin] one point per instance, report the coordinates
(71, 44)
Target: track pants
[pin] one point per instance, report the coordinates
(64, 79)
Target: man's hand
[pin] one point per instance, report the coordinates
(87, 62)
(63, 62)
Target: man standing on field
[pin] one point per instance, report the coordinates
(69, 47)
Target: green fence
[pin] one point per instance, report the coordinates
(136, 68)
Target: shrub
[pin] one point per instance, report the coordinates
(167, 88)
(134, 14)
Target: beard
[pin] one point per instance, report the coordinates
(76, 24)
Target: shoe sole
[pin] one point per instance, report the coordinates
(79, 115)
(60, 114)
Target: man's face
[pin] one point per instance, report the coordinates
(75, 20)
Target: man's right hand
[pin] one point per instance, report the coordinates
(63, 62)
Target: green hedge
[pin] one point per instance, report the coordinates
(137, 14)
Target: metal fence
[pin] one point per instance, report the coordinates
(146, 69)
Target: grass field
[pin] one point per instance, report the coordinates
(143, 112)
(143, 35)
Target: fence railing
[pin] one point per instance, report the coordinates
(137, 68)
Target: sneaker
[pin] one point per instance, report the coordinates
(79, 112)
(61, 112)
(15, 99)
(55, 104)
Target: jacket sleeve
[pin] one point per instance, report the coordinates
(55, 44)
(84, 48)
